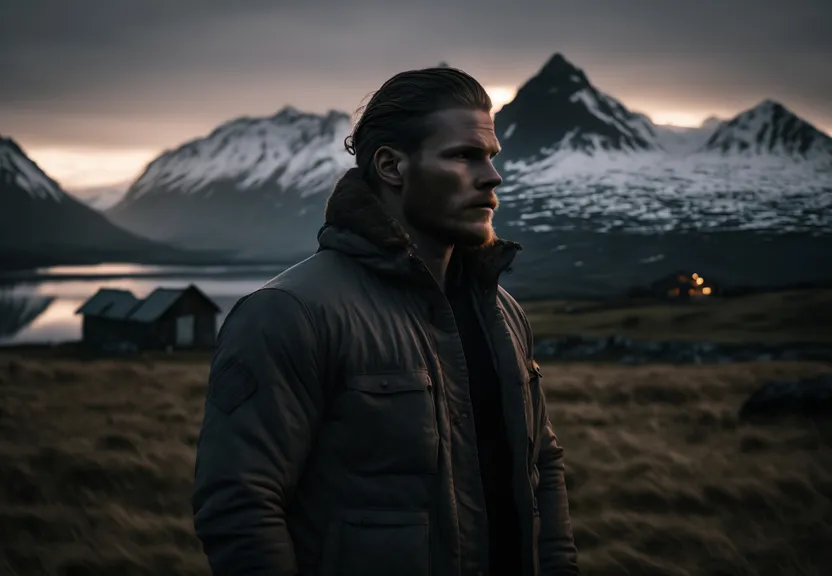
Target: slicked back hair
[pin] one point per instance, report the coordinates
(398, 113)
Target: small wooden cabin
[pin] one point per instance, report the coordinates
(683, 285)
(168, 318)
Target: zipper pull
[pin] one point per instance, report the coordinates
(534, 369)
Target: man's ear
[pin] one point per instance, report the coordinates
(390, 166)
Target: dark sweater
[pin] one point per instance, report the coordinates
(492, 441)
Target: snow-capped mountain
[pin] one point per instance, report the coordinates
(42, 225)
(669, 180)
(711, 123)
(101, 197)
(770, 129)
(256, 185)
(603, 199)
(21, 177)
(558, 111)
(600, 197)
(683, 140)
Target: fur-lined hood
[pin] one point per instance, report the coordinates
(354, 209)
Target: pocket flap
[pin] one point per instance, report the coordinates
(390, 383)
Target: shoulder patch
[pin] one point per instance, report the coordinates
(230, 386)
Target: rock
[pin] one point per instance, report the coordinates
(806, 397)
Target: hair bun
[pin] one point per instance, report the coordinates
(349, 145)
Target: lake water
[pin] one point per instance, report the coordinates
(40, 307)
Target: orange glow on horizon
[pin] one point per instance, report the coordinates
(75, 168)
(79, 167)
(500, 96)
(681, 119)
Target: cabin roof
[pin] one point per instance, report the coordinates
(109, 303)
(123, 305)
(156, 304)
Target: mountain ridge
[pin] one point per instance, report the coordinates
(592, 188)
(769, 128)
(28, 176)
(236, 127)
(564, 140)
(559, 109)
(42, 225)
(269, 175)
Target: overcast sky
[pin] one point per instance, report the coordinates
(93, 89)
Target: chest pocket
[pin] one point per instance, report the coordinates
(389, 423)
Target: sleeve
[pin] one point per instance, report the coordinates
(557, 552)
(263, 404)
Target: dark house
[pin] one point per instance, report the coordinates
(682, 285)
(167, 318)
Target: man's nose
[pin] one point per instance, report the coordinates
(490, 178)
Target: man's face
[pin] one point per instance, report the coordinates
(449, 189)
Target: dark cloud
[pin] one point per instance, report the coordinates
(154, 72)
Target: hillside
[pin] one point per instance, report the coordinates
(41, 225)
(256, 186)
(773, 318)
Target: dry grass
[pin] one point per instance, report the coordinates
(770, 318)
(97, 462)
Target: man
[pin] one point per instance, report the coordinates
(376, 409)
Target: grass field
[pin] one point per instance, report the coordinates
(768, 318)
(96, 463)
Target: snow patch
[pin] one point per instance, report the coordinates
(26, 174)
(291, 150)
(660, 192)
(633, 127)
(682, 140)
(770, 129)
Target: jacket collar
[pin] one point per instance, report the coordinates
(356, 224)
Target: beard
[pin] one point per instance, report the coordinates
(426, 207)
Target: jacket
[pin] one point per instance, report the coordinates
(338, 436)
